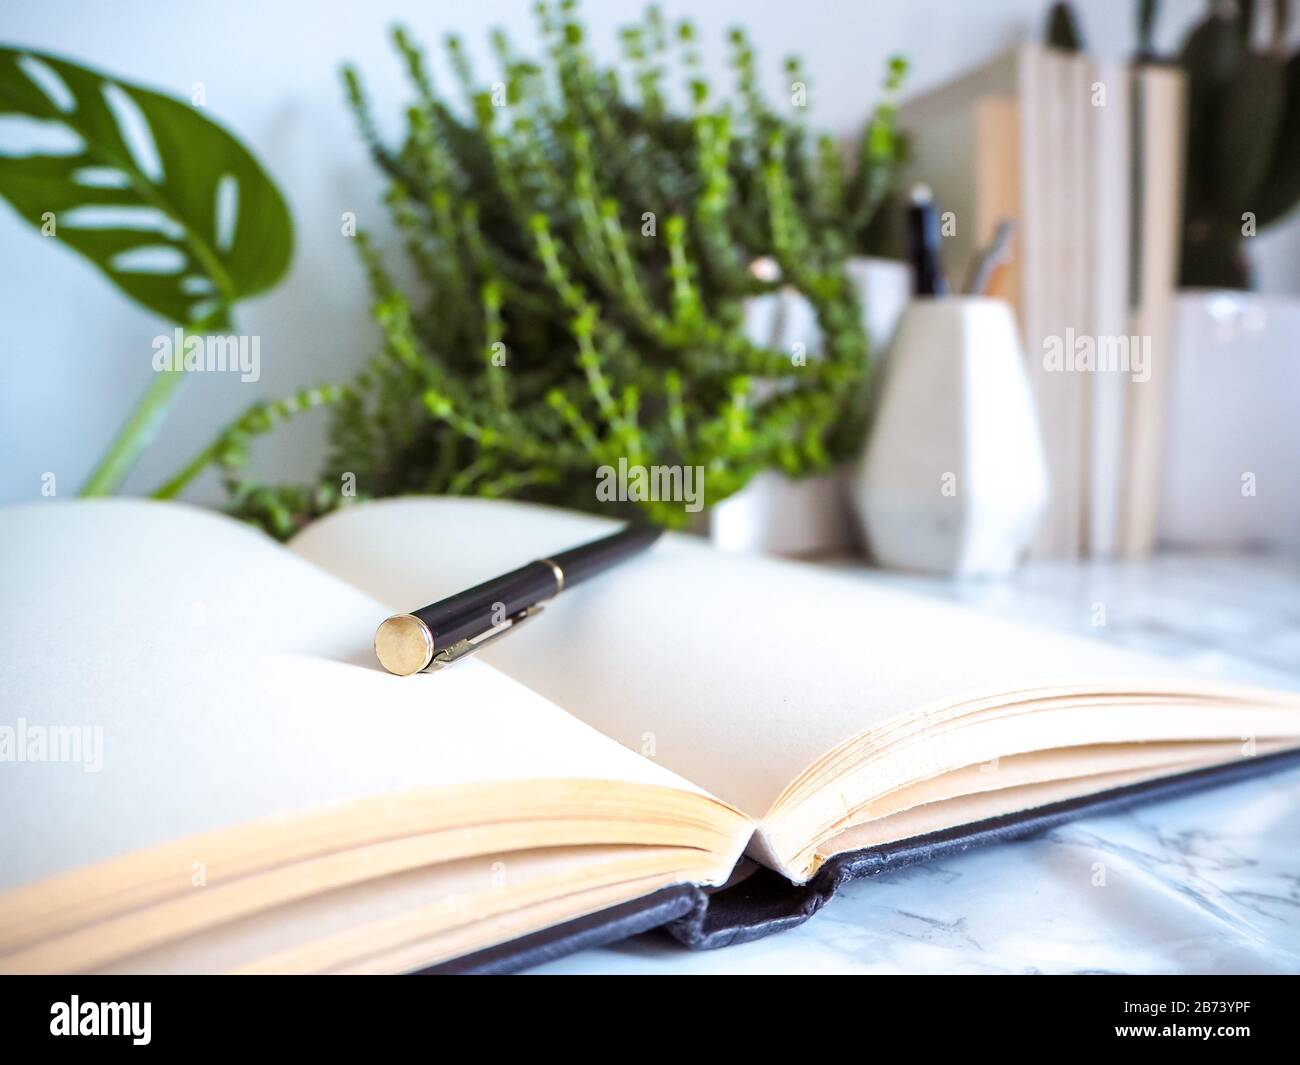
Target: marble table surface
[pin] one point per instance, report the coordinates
(1205, 883)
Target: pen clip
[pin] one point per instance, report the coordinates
(465, 648)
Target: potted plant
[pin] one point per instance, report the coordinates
(586, 258)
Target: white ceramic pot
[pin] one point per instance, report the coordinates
(1231, 443)
(953, 480)
(775, 515)
(784, 318)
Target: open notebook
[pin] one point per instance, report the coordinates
(251, 792)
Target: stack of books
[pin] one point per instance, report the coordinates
(1085, 156)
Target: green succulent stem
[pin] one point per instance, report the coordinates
(228, 449)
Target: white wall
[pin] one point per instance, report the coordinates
(74, 355)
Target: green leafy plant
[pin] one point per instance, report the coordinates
(1243, 139)
(167, 204)
(1242, 168)
(585, 253)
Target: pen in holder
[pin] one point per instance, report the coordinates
(953, 479)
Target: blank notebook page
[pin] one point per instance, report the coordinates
(231, 681)
(737, 672)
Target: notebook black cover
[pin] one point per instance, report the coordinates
(766, 902)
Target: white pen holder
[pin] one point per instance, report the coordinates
(954, 479)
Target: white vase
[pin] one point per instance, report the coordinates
(953, 480)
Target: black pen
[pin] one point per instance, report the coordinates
(446, 631)
(924, 234)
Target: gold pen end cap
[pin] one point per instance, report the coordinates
(404, 644)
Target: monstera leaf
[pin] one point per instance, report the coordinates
(160, 198)
(164, 201)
